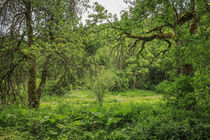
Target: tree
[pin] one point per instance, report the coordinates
(28, 18)
(164, 31)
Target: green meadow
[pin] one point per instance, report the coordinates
(137, 114)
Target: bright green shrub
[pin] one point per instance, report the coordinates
(102, 83)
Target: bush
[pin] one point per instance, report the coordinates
(55, 88)
(201, 86)
(179, 93)
(103, 82)
(163, 87)
(121, 82)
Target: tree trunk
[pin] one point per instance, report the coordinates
(45, 65)
(33, 101)
(43, 78)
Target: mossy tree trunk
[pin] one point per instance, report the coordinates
(33, 101)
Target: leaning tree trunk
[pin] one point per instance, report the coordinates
(43, 78)
(33, 101)
(45, 65)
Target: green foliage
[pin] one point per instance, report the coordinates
(179, 93)
(127, 120)
(163, 87)
(103, 82)
(143, 82)
(55, 88)
(151, 41)
(121, 82)
(156, 75)
(201, 90)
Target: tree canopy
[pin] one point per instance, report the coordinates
(44, 46)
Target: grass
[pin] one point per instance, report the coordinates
(125, 115)
(73, 104)
(134, 96)
(78, 98)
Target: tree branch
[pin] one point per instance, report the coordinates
(150, 38)
(188, 16)
(142, 48)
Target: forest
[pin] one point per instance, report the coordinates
(142, 76)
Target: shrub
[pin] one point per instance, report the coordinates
(201, 84)
(163, 87)
(121, 82)
(102, 83)
(180, 93)
(55, 88)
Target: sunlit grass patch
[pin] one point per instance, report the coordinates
(88, 98)
(119, 98)
(135, 96)
(136, 92)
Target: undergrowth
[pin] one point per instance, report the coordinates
(65, 118)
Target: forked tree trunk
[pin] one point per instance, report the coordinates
(33, 101)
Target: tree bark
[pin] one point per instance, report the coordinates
(33, 101)
(43, 78)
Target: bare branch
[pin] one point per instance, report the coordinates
(3, 6)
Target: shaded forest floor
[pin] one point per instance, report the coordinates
(132, 115)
